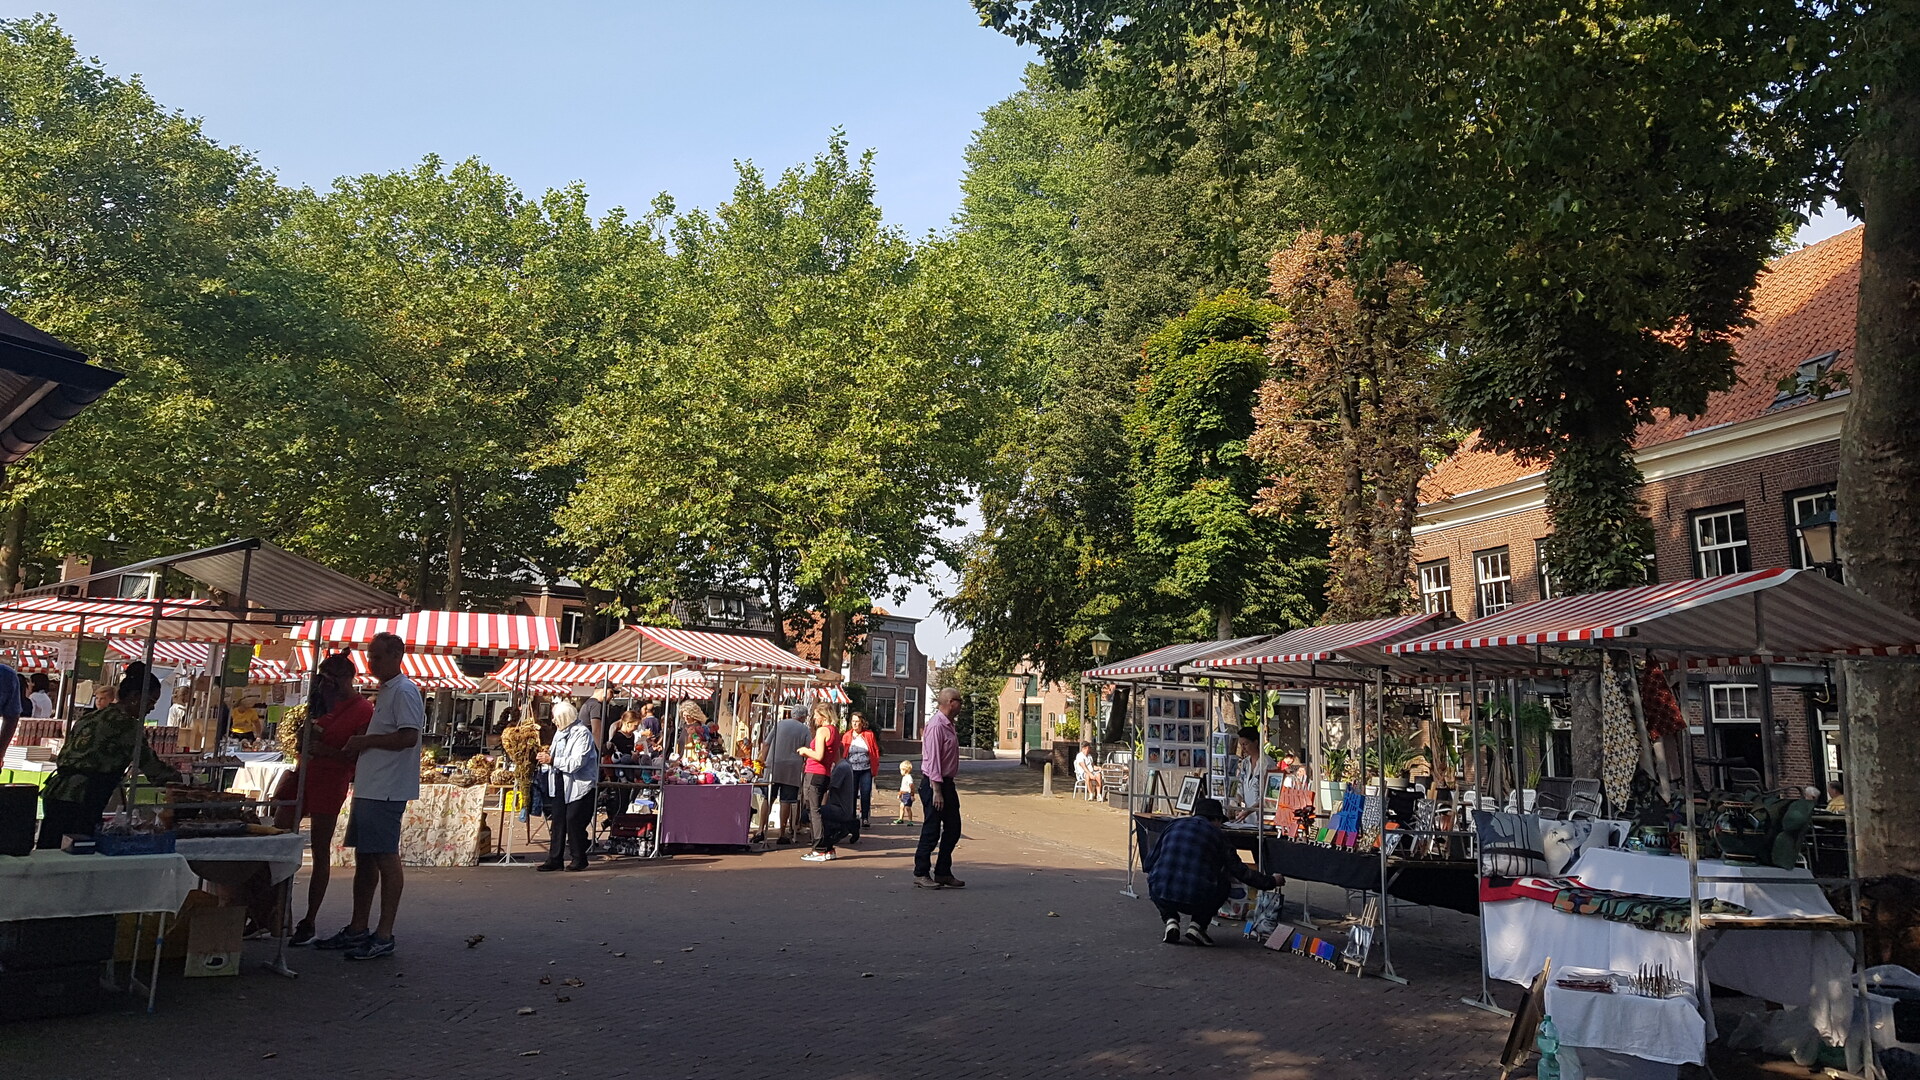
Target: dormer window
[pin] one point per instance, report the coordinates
(1806, 375)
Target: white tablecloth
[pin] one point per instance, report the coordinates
(260, 778)
(1792, 967)
(1669, 1030)
(54, 885)
(281, 853)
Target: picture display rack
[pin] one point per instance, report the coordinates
(1178, 728)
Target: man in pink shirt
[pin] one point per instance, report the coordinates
(939, 763)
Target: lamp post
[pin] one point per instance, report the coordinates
(1819, 532)
(1100, 643)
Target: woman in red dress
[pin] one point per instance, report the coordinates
(337, 713)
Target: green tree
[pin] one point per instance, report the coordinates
(829, 393)
(139, 240)
(1194, 483)
(1099, 246)
(480, 314)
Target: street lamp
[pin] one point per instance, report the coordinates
(1818, 531)
(1101, 643)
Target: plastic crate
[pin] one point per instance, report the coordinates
(69, 990)
(106, 843)
(38, 944)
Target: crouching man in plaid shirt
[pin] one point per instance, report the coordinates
(1191, 870)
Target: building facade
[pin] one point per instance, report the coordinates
(1726, 492)
(1031, 712)
(893, 672)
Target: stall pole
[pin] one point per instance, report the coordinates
(1484, 1002)
(1133, 792)
(1386, 902)
(1513, 730)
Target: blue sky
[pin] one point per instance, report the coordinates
(632, 98)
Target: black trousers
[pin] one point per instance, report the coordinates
(834, 828)
(813, 789)
(940, 834)
(1201, 913)
(567, 829)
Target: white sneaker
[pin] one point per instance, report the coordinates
(817, 856)
(1173, 932)
(1197, 934)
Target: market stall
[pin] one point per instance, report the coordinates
(1762, 927)
(743, 681)
(56, 885)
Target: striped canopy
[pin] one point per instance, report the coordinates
(1757, 614)
(447, 633)
(544, 675)
(1299, 653)
(429, 671)
(106, 617)
(31, 658)
(698, 649)
(186, 654)
(1172, 658)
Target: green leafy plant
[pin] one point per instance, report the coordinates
(1399, 752)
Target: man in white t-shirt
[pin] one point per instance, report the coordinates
(386, 778)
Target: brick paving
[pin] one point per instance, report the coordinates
(763, 966)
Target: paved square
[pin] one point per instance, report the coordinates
(763, 966)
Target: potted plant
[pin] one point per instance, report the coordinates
(1397, 754)
(1333, 785)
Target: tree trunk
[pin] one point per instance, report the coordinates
(456, 541)
(1584, 712)
(11, 554)
(833, 639)
(1223, 622)
(1880, 461)
(775, 578)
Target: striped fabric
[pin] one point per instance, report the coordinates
(1317, 643)
(545, 675)
(103, 617)
(1778, 613)
(1174, 657)
(452, 633)
(662, 644)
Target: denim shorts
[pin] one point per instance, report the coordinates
(374, 826)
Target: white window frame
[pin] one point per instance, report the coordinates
(139, 586)
(902, 658)
(1446, 706)
(573, 626)
(1542, 570)
(727, 610)
(1486, 584)
(878, 648)
(1723, 554)
(1721, 702)
(1799, 509)
(1436, 587)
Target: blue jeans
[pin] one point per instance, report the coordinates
(865, 780)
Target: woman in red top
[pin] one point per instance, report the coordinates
(340, 713)
(820, 758)
(861, 748)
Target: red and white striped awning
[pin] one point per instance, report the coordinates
(678, 686)
(544, 675)
(698, 649)
(106, 617)
(187, 654)
(1760, 613)
(1172, 658)
(430, 671)
(31, 658)
(1298, 651)
(832, 695)
(450, 633)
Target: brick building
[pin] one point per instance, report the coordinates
(893, 672)
(1726, 492)
(1032, 711)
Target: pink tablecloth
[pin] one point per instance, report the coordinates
(705, 813)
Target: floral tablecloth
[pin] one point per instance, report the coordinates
(441, 827)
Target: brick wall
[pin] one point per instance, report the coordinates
(1760, 486)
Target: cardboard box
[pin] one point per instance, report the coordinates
(214, 936)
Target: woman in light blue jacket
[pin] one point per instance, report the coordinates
(568, 770)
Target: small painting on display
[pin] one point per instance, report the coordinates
(1189, 791)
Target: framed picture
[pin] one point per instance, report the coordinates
(1270, 801)
(1186, 708)
(1199, 710)
(1153, 735)
(1186, 733)
(1189, 791)
(1199, 759)
(1222, 746)
(1153, 706)
(1186, 759)
(1153, 755)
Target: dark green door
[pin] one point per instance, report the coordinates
(1029, 727)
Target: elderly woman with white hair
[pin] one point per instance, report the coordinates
(568, 770)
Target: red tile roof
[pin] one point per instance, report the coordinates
(1803, 307)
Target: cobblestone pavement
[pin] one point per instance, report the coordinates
(763, 966)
